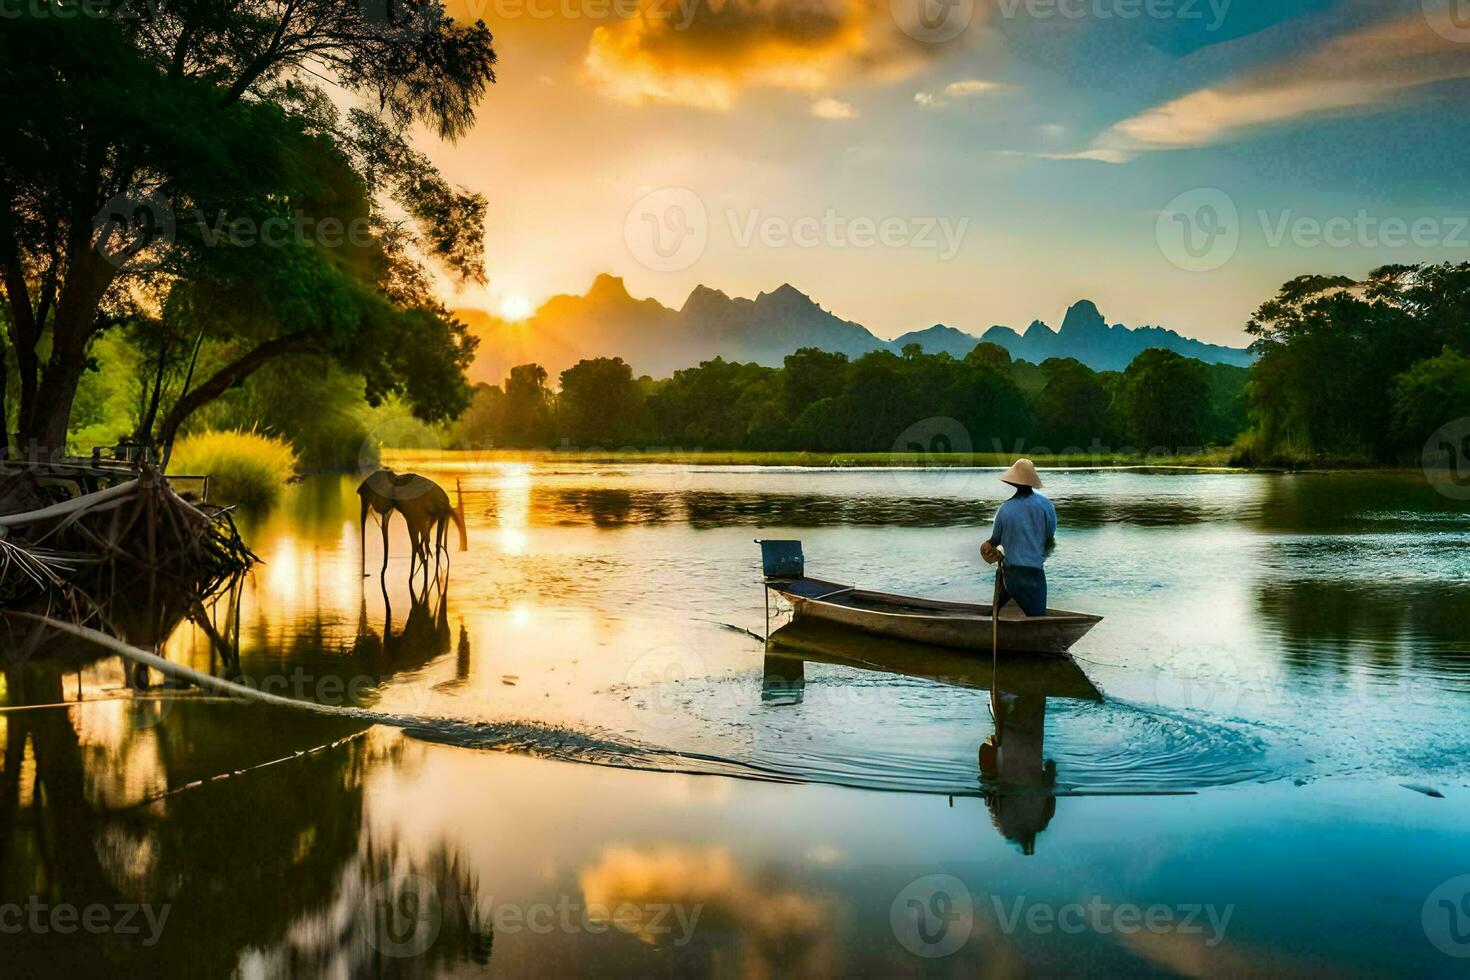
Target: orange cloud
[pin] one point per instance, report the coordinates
(830, 108)
(781, 929)
(705, 54)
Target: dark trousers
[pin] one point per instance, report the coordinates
(1026, 585)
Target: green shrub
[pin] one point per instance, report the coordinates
(244, 468)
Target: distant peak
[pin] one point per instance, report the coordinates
(607, 286)
(702, 290)
(786, 293)
(1038, 328)
(1083, 315)
(945, 330)
(703, 297)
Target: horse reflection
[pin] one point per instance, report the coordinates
(423, 635)
(1017, 780)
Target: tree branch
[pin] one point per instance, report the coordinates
(230, 376)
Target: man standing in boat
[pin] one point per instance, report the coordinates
(1025, 531)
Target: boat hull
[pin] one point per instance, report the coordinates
(961, 626)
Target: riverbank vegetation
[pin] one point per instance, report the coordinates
(824, 403)
(818, 408)
(203, 237)
(1367, 369)
(245, 468)
(205, 192)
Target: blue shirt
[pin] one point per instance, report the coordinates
(1025, 527)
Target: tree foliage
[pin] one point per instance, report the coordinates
(1163, 400)
(184, 162)
(1331, 348)
(823, 402)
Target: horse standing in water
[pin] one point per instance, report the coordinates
(425, 508)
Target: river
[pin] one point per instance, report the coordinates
(1258, 762)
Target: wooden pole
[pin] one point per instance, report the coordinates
(995, 652)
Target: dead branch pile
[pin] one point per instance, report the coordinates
(105, 543)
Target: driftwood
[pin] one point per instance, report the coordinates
(134, 558)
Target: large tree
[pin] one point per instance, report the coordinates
(1163, 399)
(1330, 347)
(187, 160)
(1073, 409)
(600, 403)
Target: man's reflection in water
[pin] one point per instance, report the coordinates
(1017, 780)
(1022, 804)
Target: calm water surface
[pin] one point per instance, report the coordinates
(1282, 678)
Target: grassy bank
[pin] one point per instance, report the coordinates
(1210, 459)
(244, 468)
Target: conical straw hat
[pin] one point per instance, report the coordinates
(1022, 473)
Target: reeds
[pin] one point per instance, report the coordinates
(245, 468)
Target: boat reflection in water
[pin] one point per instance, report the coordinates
(1016, 779)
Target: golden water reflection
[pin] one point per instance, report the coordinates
(280, 839)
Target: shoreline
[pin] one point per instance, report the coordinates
(1209, 461)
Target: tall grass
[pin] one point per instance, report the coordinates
(244, 468)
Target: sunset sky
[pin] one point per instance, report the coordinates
(968, 164)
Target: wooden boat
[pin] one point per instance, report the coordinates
(962, 625)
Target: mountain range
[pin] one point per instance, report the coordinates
(657, 340)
